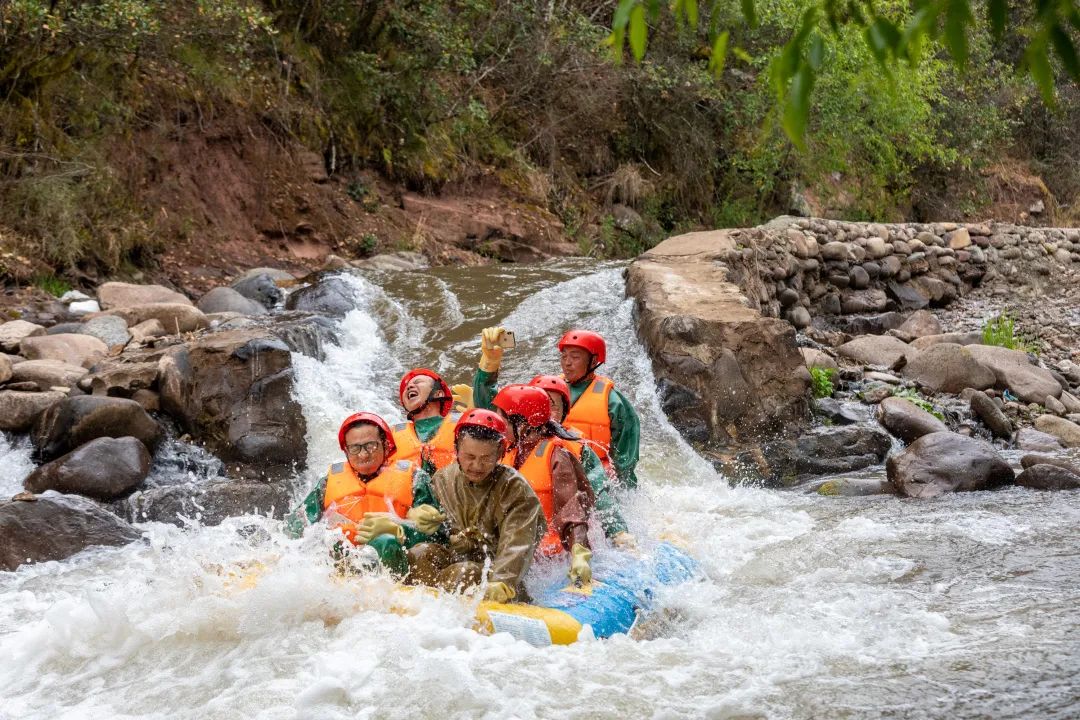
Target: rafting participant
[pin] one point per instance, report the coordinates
(606, 508)
(427, 437)
(368, 495)
(604, 417)
(486, 511)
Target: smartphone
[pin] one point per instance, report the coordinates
(506, 340)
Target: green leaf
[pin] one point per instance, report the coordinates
(957, 20)
(719, 54)
(691, 8)
(1066, 51)
(638, 32)
(622, 14)
(742, 55)
(797, 109)
(1038, 62)
(998, 12)
(749, 12)
(816, 56)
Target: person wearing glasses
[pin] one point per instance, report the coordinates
(367, 496)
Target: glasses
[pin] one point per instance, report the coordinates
(367, 448)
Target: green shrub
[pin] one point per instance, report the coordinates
(821, 381)
(1001, 331)
(51, 284)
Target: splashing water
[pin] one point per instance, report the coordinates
(808, 607)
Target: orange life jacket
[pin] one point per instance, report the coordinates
(440, 448)
(537, 471)
(348, 498)
(589, 416)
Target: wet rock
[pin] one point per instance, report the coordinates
(54, 527)
(103, 468)
(879, 350)
(830, 450)
(906, 420)
(224, 299)
(209, 503)
(262, 288)
(948, 368)
(73, 421)
(841, 413)
(73, 349)
(1048, 477)
(920, 324)
(394, 262)
(1035, 440)
(1066, 432)
(944, 462)
(876, 393)
(330, 295)
(19, 410)
(233, 391)
(48, 373)
(109, 329)
(1013, 370)
(990, 414)
(122, 295)
(812, 357)
(1029, 460)
(148, 399)
(175, 318)
(855, 487)
(13, 332)
(927, 341)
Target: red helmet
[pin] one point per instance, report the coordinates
(362, 418)
(555, 384)
(587, 340)
(530, 402)
(445, 398)
(477, 417)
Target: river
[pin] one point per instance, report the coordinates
(965, 606)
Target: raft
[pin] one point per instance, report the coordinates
(620, 593)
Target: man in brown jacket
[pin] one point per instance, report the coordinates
(486, 512)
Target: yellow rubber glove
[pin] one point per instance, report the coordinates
(499, 592)
(490, 352)
(427, 518)
(624, 541)
(463, 399)
(580, 571)
(375, 524)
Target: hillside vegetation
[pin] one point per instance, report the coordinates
(101, 102)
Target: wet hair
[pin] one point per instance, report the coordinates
(478, 433)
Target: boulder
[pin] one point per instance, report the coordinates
(944, 462)
(109, 329)
(920, 324)
(855, 487)
(261, 287)
(19, 410)
(1055, 406)
(1066, 431)
(1048, 477)
(175, 318)
(48, 373)
(122, 295)
(224, 299)
(281, 278)
(330, 295)
(73, 421)
(233, 391)
(948, 368)
(5, 369)
(13, 332)
(146, 330)
(1034, 440)
(841, 413)
(703, 335)
(926, 341)
(1070, 401)
(830, 450)
(103, 468)
(395, 261)
(122, 377)
(880, 350)
(1029, 460)
(1013, 370)
(209, 503)
(991, 415)
(73, 349)
(55, 527)
(906, 420)
(812, 357)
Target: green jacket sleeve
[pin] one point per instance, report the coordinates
(307, 512)
(607, 508)
(483, 388)
(625, 438)
(423, 494)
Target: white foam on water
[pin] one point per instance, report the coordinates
(15, 463)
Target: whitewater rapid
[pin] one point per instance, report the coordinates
(807, 607)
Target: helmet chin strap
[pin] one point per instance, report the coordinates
(432, 397)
